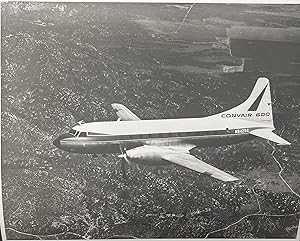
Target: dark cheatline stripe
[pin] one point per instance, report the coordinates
(161, 135)
(96, 134)
(255, 104)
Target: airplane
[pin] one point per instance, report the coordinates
(167, 141)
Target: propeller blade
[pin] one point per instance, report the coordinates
(121, 149)
(123, 168)
(124, 161)
(124, 155)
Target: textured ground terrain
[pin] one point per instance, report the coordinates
(62, 63)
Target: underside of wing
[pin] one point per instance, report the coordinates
(193, 163)
(182, 148)
(124, 113)
(269, 135)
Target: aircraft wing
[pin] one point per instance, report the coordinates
(124, 113)
(269, 135)
(193, 163)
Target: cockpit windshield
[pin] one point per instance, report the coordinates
(77, 133)
(73, 132)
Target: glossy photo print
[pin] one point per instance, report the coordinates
(150, 121)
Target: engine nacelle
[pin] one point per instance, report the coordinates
(147, 155)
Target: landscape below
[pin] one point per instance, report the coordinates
(66, 62)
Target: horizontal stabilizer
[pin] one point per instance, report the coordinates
(193, 163)
(269, 135)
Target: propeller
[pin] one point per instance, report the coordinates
(124, 155)
(124, 161)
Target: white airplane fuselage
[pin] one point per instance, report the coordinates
(107, 137)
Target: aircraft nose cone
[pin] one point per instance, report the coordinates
(57, 143)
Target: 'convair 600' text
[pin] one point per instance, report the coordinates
(245, 115)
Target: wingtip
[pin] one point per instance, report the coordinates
(233, 179)
(263, 80)
(228, 178)
(284, 144)
(116, 105)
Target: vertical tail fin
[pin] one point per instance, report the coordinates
(258, 106)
